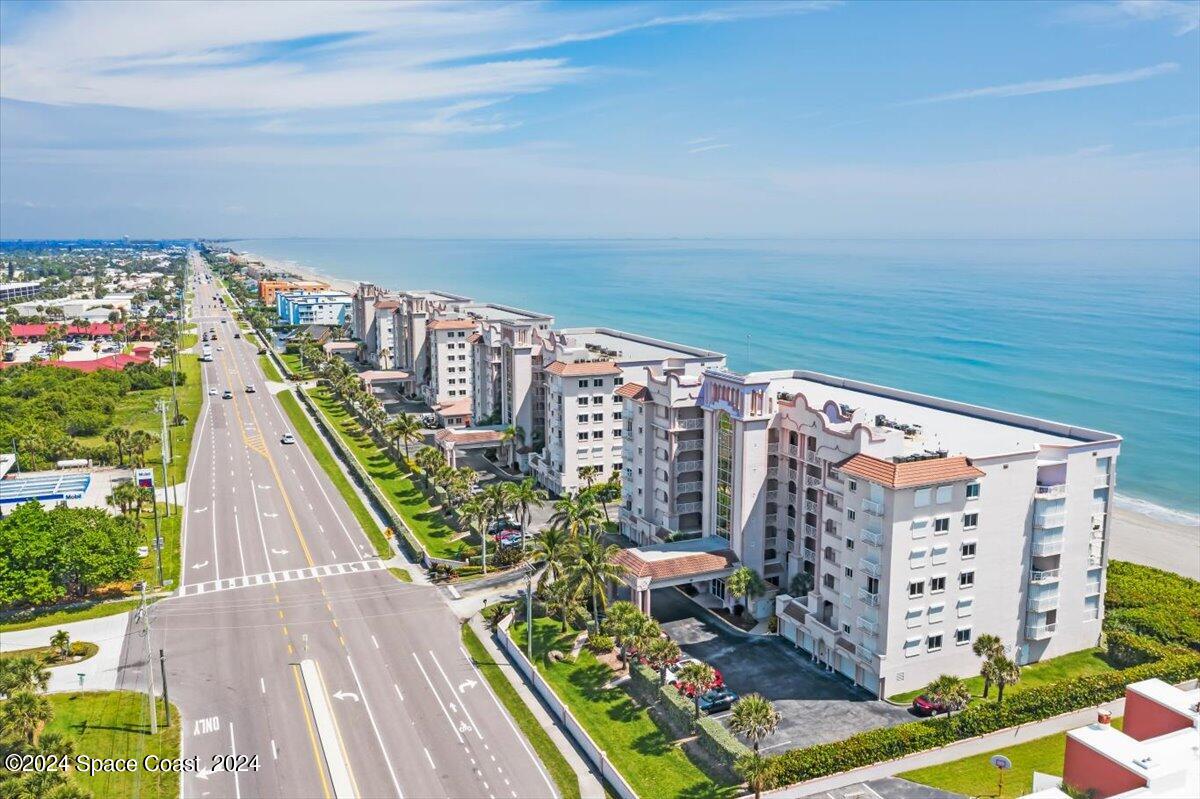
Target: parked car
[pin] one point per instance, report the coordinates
(717, 700)
(926, 706)
(509, 538)
(503, 525)
(429, 421)
(288, 438)
(687, 689)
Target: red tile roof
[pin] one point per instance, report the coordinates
(461, 407)
(468, 436)
(475, 337)
(682, 565)
(451, 324)
(110, 362)
(91, 329)
(912, 473)
(583, 368)
(633, 391)
(387, 305)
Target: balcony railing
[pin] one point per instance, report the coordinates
(872, 600)
(772, 495)
(1101, 480)
(810, 529)
(688, 507)
(810, 457)
(683, 467)
(810, 554)
(771, 518)
(1047, 546)
(874, 539)
(869, 567)
(810, 506)
(1092, 589)
(691, 445)
(812, 482)
(690, 424)
(689, 487)
(1041, 604)
(1039, 632)
(1049, 521)
(872, 508)
(1043, 576)
(773, 448)
(1056, 491)
(869, 625)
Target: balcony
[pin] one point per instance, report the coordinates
(874, 539)
(810, 457)
(810, 506)
(1049, 521)
(1044, 576)
(810, 529)
(810, 554)
(1095, 560)
(687, 488)
(772, 495)
(691, 445)
(1041, 604)
(812, 482)
(1046, 546)
(1039, 632)
(1092, 589)
(690, 424)
(868, 625)
(872, 508)
(1056, 491)
(688, 507)
(773, 448)
(771, 518)
(870, 567)
(869, 599)
(1101, 480)
(683, 467)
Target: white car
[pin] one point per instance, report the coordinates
(212, 392)
(288, 438)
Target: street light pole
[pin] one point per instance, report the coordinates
(144, 613)
(529, 612)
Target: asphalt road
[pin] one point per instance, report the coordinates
(395, 708)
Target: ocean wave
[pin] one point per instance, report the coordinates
(1159, 512)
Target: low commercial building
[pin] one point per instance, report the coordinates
(312, 308)
(15, 292)
(91, 309)
(893, 527)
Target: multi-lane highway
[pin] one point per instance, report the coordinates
(289, 646)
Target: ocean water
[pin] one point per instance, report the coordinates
(1102, 334)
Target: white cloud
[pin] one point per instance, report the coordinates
(1052, 85)
(1183, 15)
(705, 148)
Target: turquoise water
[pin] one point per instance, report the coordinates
(1103, 334)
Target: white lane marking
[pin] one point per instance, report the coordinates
(429, 757)
(237, 530)
(237, 789)
(274, 750)
(189, 471)
(397, 687)
(374, 642)
(284, 576)
(371, 715)
(461, 703)
(262, 685)
(216, 558)
(425, 674)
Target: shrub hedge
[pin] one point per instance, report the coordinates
(1154, 603)
(677, 713)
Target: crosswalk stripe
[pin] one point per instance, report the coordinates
(247, 580)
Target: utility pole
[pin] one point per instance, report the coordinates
(529, 612)
(162, 663)
(144, 616)
(161, 407)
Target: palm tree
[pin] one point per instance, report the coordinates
(406, 429)
(987, 646)
(25, 713)
(524, 497)
(1004, 672)
(700, 676)
(754, 718)
(588, 475)
(593, 566)
(950, 692)
(476, 511)
(507, 436)
(551, 551)
(139, 444)
(745, 583)
(659, 653)
(124, 497)
(561, 600)
(61, 641)
(497, 499)
(624, 621)
(577, 514)
(25, 673)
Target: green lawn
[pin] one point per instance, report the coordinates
(187, 341)
(1076, 664)
(400, 574)
(110, 724)
(976, 776)
(148, 569)
(268, 367)
(44, 617)
(642, 752)
(316, 446)
(410, 502)
(80, 651)
(292, 361)
(552, 760)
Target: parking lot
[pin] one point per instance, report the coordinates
(816, 707)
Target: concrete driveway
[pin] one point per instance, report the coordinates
(816, 707)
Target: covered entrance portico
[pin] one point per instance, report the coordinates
(675, 563)
(453, 441)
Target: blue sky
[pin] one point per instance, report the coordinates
(807, 119)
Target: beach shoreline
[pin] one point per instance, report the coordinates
(1165, 539)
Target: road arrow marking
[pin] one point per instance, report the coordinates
(200, 510)
(200, 565)
(265, 488)
(279, 551)
(453, 707)
(462, 686)
(202, 774)
(346, 695)
(270, 515)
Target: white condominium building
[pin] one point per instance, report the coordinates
(502, 356)
(581, 369)
(410, 338)
(450, 375)
(895, 527)
(371, 314)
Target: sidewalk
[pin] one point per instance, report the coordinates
(99, 671)
(954, 751)
(589, 783)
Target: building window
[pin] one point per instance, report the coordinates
(962, 636)
(617, 416)
(921, 497)
(583, 417)
(618, 381)
(966, 579)
(849, 543)
(941, 525)
(972, 493)
(616, 432)
(970, 521)
(582, 400)
(944, 494)
(724, 482)
(912, 647)
(583, 436)
(850, 515)
(933, 643)
(916, 588)
(597, 434)
(937, 584)
(968, 549)
(849, 573)
(829, 580)
(936, 612)
(853, 485)
(597, 417)
(846, 629)
(966, 606)
(583, 384)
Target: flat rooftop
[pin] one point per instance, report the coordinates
(631, 347)
(437, 296)
(969, 430)
(502, 313)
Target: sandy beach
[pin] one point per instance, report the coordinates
(1166, 545)
(303, 272)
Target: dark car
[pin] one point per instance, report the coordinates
(502, 526)
(237, 335)
(925, 706)
(717, 700)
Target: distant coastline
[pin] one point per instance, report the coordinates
(1133, 518)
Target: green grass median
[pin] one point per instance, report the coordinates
(312, 439)
(406, 499)
(556, 765)
(268, 367)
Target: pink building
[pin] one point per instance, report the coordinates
(1157, 754)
